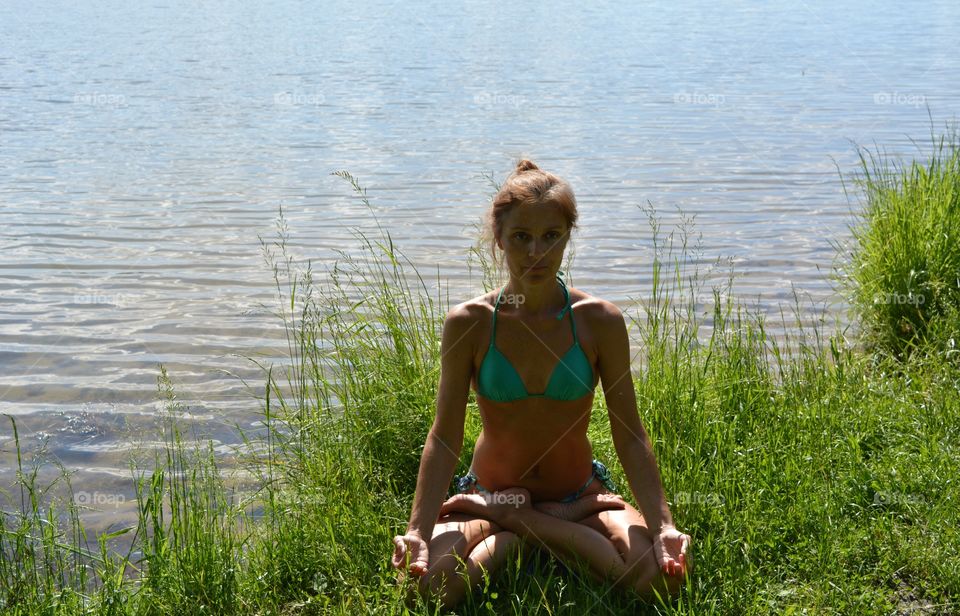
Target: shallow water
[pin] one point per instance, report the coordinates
(145, 148)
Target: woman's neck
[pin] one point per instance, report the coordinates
(535, 300)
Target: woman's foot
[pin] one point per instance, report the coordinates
(582, 507)
(489, 505)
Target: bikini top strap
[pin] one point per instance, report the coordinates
(567, 308)
(496, 307)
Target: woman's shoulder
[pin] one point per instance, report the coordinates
(594, 309)
(467, 314)
(603, 319)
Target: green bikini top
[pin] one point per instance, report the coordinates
(572, 377)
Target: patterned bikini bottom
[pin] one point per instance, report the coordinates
(600, 472)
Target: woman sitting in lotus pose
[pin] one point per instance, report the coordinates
(533, 477)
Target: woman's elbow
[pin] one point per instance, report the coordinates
(445, 440)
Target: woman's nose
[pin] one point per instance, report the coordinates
(538, 248)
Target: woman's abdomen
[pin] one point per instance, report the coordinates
(549, 468)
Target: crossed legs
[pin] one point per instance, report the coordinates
(617, 536)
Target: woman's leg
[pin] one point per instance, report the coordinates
(615, 543)
(480, 543)
(627, 531)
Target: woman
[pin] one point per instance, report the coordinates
(532, 476)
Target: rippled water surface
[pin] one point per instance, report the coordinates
(145, 147)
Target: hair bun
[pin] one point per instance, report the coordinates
(526, 165)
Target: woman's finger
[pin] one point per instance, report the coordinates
(398, 552)
(674, 567)
(418, 568)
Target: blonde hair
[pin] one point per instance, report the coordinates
(528, 185)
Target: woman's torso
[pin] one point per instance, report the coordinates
(536, 443)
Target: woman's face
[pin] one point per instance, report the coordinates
(533, 239)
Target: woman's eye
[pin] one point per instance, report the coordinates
(553, 235)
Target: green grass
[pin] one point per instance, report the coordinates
(814, 477)
(902, 273)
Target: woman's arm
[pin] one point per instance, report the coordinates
(629, 437)
(445, 439)
(633, 445)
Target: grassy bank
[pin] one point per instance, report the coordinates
(902, 269)
(814, 476)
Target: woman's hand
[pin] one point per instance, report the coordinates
(411, 554)
(494, 506)
(671, 548)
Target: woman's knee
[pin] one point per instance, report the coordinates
(494, 549)
(656, 584)
(447, 582)
(646, 579)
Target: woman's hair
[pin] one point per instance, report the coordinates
(528, 185)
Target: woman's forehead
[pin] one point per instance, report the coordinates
(538, 216)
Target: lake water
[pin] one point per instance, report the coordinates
(145, 147)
